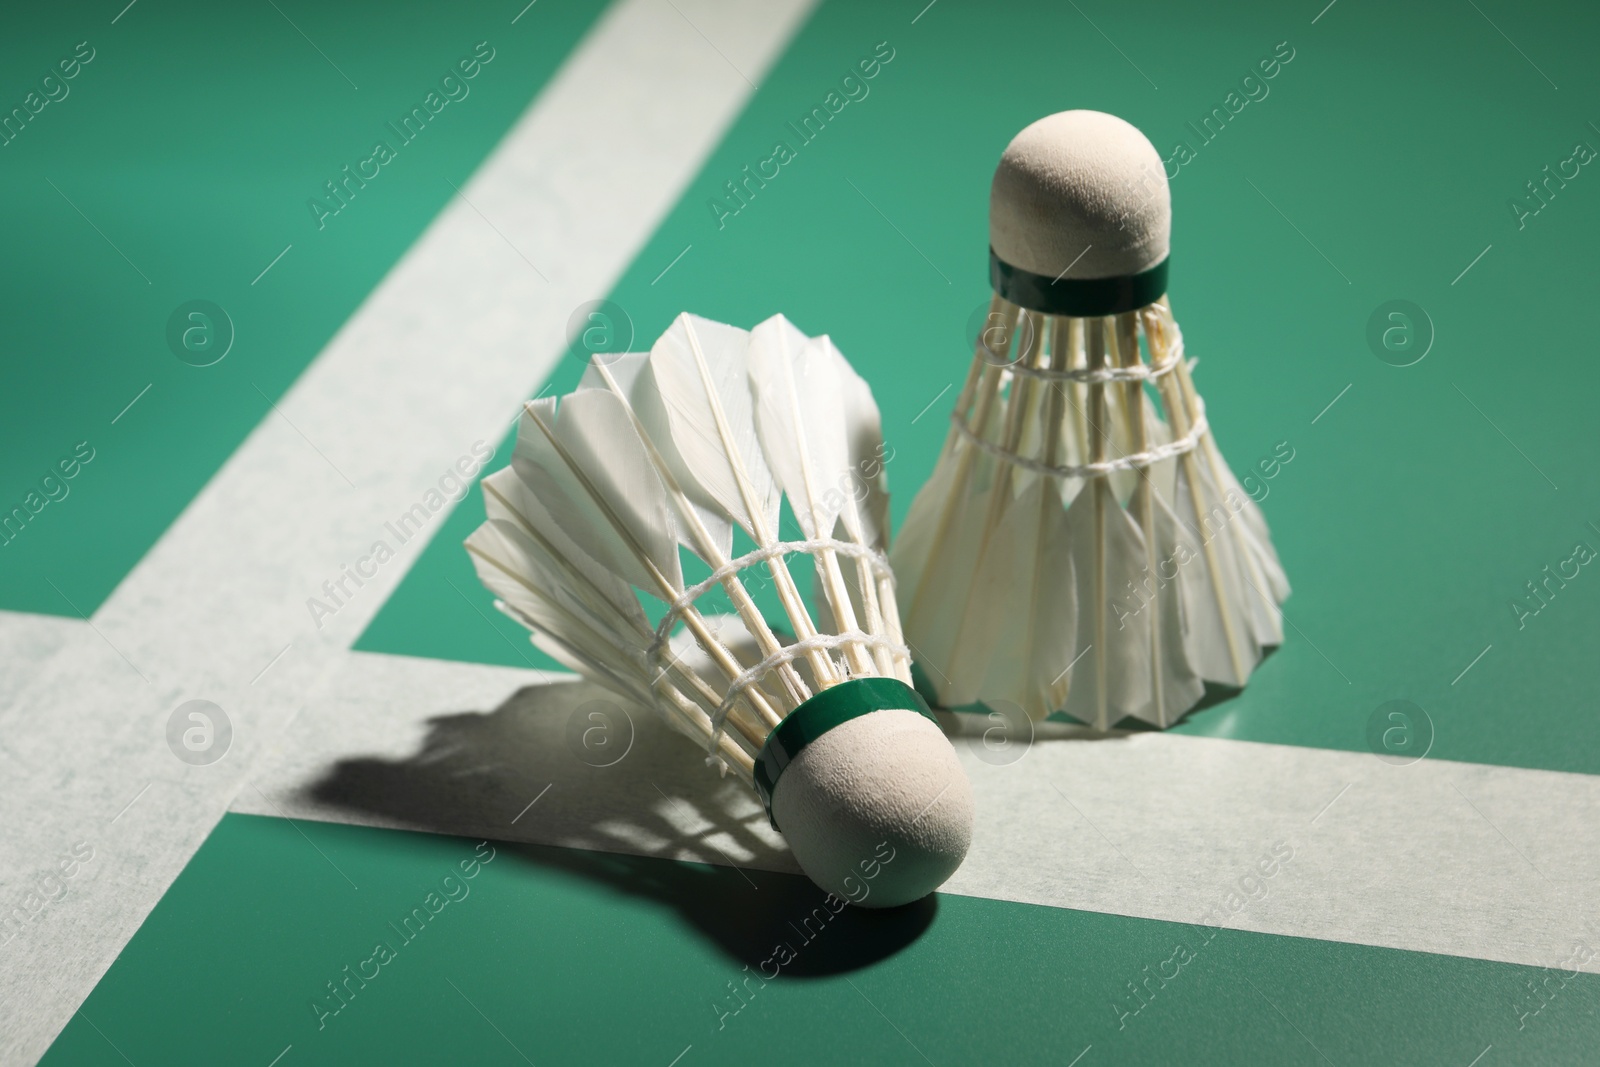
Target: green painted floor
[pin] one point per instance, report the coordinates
(179, 164)
(554, 956)
(1411, 515)
(1383, 158)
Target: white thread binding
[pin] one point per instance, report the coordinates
(788, 653)
(1176, 447)
(1137, 373)
(686, 599)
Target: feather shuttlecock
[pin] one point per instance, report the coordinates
(656, 461)
(1081, 545)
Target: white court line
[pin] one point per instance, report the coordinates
(456, 333)
(1496, 863)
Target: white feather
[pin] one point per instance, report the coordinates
(700, 372)
(939, 575)
(599, 436)
(869, 456)
(631, 380)
(1031, 641)
(1220, 642)
(550, 479)
(1112, 679)
(1156, 601)
(1174, 581)
(507, 499)
(510, 567)
(654, 453)
(1255, 544)
(623, 368)
(800, 420)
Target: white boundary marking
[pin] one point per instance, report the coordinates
(455, 335)
(1487, 862)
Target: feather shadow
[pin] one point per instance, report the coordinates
(641, 819)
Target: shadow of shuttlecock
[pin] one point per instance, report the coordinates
(574, 781)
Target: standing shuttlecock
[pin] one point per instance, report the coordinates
(677, 449)
(1081, 545)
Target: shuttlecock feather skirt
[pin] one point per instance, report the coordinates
(1082, 546)
(655, 462)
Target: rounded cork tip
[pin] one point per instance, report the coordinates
(877, 810)
(1082, 195)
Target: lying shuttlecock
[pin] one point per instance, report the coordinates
(672, 450)
(1081, 545)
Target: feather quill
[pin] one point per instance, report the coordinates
(700, 373)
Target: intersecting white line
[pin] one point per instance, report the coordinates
(216, 618)
(445, 336)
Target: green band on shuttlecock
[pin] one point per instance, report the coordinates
(1079, 297)
(832, 707)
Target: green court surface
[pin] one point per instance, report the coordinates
(178, 165)
(1408, 521)
(564, 957)
(1422, 505)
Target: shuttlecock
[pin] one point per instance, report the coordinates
(1081, 545)
(675, 449)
